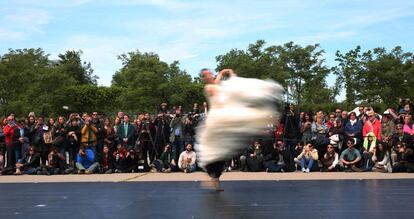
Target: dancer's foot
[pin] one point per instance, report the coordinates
(212, 184)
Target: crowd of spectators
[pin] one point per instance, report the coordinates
(358, 140)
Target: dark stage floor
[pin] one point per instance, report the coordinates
(241, 199)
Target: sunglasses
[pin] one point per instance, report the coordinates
(348, 143)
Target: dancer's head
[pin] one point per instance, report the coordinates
(207, 75)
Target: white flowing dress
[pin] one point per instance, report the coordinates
(241, 108)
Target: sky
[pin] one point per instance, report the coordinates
(195, 32)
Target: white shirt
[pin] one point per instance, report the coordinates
(185, 155)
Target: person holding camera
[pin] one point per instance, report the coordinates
(145, 137)
(308, 159)
(187, 160)
(279, 160)
(166, 163)
(86, 162)
(119, 156)
(162, 133)
(73, 137)
(55, 164)
(404, 161)
(88, 133)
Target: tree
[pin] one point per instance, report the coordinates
(349, 72)
(71, 64)
(148, 81)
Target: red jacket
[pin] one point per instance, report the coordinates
(8, 134)
(376, 129)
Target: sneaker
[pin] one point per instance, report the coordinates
(355, 169)
(167, 170)
(303, 170)
(88, 172)
(185, 171)
(307, 170)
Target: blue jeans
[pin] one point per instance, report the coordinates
(306, 163)
(93, 168)
(190, 168)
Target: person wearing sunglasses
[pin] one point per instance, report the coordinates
(330, 161)
(350, 157)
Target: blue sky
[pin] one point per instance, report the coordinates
(194, 32)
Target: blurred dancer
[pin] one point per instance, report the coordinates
(239, 108)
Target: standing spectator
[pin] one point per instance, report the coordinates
(189, 130)
(353, 128)
(381, 159)
(177, 135)
(106, 161)
(88, 133)
(387, 129)
(126, 133)
(109, 135)
(408, 127)
(330, 161)
(320, 132)
(350, 157)
(291, 132)
(344, 118)
(162, 132)
(38, 140)
(20, 140)
(31, 126)
(145, 137)
(73, 137)
(336, 134)
(59, 136)
(85, 162)
(30, 163)
(338, 113)
(331, 120)
(9, 130)
(372, 124)
(187, 160)
(99, 132)
(117, 122)
(306, 129)
(308, 159)
(166, 163)
(163, 109)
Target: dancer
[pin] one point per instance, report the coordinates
(239, 109)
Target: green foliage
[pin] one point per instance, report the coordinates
(148, 81)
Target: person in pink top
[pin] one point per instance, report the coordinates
(373, 125)
(408, 127)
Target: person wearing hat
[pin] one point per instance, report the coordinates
(387, 128)
(372, 124)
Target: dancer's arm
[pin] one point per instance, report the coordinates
(223, 72)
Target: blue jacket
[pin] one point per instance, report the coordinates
(356, 129)
(88, 160)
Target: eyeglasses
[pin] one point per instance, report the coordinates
(349, 143)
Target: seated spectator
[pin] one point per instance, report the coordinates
(166, 163)
(330, 161)
(142, 160)
(279, 160)
(106, 161)
(400, 136)
(130, 162)
(187, 160)
(350, 157)
(252, 160)
(55, 163)
(370, 142)
(85, 162)
(30, 163)
(381, 159)
(119, 156)
(308, 158)
(405, 159)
